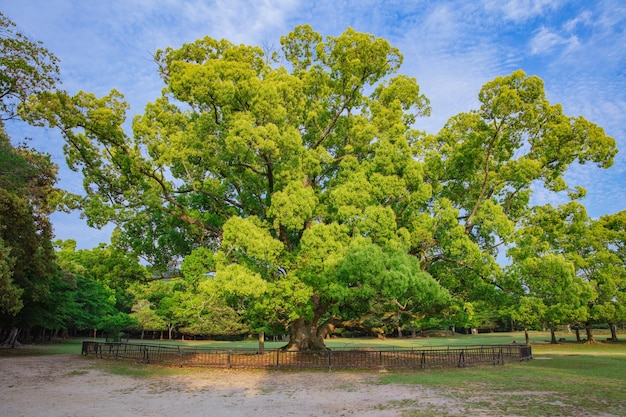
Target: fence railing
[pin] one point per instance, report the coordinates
(330, 359)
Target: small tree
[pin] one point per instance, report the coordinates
(115, 323)
(147, 318)
(554, 290)
(528, 312)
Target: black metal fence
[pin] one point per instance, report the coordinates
(330, 359)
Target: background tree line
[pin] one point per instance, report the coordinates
(293, 193)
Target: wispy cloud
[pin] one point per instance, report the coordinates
(584, 19)
(521, 10)
(546, 41)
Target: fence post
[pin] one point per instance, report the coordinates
(228, 359)
(462, 359)
(180, 357)
(330, 364)
(423, 360)
(277, 358)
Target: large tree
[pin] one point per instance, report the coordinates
(287, 172)
(27, 189)
(26, 253)
(483, 166)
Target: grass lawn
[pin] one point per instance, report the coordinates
(563, 380)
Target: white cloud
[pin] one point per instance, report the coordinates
(585, 18)
(521, 10)
(546, 41)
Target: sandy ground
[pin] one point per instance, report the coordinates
(69, 385)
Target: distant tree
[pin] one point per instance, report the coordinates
(147, 317)
(92, 301)
(113, 324)
(109, 265)
(598, 253)
(612, 288)
(165, 297)
(546, 268)
(592, 247)
(527, 312)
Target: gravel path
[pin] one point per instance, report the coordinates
(69, 385)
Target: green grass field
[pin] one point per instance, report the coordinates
(567, 379)
(435, 339)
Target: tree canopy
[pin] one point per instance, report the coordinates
(307, 179)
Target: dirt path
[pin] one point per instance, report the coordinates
(68, 385)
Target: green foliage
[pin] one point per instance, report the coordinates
(310, 193)
(205, 313)
(108, 265)
(562, 242)
(147, 317)
(10, 300)
(28, 274)
(113, 324)
(27, 257)
(198, 265)
(26, 68)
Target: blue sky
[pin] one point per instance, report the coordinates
(451, 47)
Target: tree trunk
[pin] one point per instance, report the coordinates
(11, 339)
(526, 336)
(305, 336)
(553, 336)
(589, 330)
(577, 334)
(613, 328)
(261, 342)
(309, 335)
